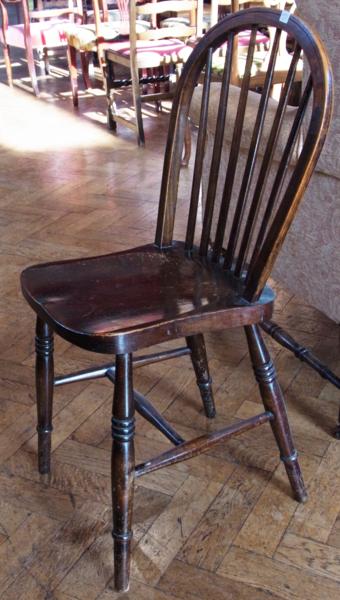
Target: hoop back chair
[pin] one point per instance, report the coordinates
(150, 55)
(123, 302)
(40, 30)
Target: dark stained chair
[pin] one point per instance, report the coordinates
(124, 302)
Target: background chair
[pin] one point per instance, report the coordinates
(124, 302)
(40, 30)
(102, 28)
(151, 57)
(264, 42)
(90, 38)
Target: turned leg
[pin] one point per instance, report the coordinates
(274, 402)
(44, 385)
(72, 65)
(200, 364)
(123, 464)
(304, 354)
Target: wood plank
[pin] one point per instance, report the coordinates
(11, 517)
(305, 553)
(217, 529)
(190, 583)
(37, 498)
(159, 546)
(137, 590)
(15, 551)
(309, 434)
(265, 573)
(270, 517)
(52, 559)
(334, 536)
(316, 518)
(75, 413)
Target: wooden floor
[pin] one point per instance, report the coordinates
(221, 526)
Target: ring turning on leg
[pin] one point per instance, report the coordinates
(273, 401)
(44, 374)
(123, 465)
(200, 364)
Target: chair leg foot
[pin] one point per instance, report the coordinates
(44, 389)
(200, 364)
(8, 65)
(273, 401)
(122, 469)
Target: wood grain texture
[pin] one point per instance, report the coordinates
(43, 181)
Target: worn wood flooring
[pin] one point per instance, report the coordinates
(220, 526)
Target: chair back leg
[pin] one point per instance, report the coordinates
(8, 65)
(200, 364)
(85, 61)
(44, 389)
(123, 465)
(31, 67)
(273, 401)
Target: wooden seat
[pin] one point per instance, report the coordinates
(210, 280)
(168, 299)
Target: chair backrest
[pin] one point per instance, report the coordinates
(65, 8)
(232, 6)
(235, 5)
(155, 11)
(250, 232)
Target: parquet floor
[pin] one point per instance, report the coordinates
(221, 526)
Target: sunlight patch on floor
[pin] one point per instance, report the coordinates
(42, 127)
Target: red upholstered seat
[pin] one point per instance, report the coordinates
(44, 33)
(160, 47)
(244, 38)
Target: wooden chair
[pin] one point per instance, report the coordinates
(152, 57)
(260, 63)
(40, 30)
(124, 302)
(93, 37)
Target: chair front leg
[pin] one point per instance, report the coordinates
(44, 373)
(109, 74)
(8, 64)
(200, 364)
(138, 105)
(273, 401)
(85, 60)
(123, 464)
(72, 66)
